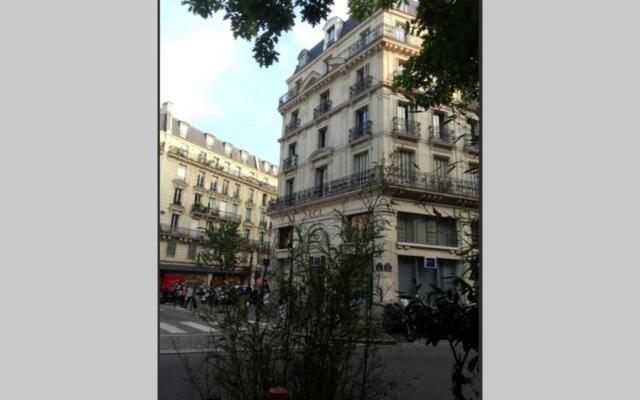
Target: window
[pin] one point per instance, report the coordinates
(227, 167)
(322, 138)
(247, 234)
(175, 221)
(360, 163)
(331, 36)
(214, 184)
(437, 122)
(399, 66)
(238, 171)
(474, 173)
(200, 179)
(250, 198)
(212, 203)
(236, 193)
(360, 167)
(475, 233)
(234, 209)
(324, 97)
(424, 229)
(202, 157)
(248, 215)
(223, 206)
(197, 199)
(171, 248)
(362, 118)
(181, 172)
(320, 180)
(284, 237)
(177, 196)
(191, 252)
(405, 165)
(441, 166)
(292, 149)
(183, 129)
(225, 187)
(474, 132)
(261, 237)
(362, 73)
(400, 34)
(288, 188)
(265, 199)
(403, 110)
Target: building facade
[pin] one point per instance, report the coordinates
(204, 181)
(341, 119)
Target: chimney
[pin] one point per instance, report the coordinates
(167, 107)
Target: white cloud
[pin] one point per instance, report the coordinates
(190, 65)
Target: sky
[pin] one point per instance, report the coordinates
(215, 84)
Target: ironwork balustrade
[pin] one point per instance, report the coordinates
(292, 126)
(441, 135)
(360, 86)
(290, 162)
(215, 212)
(322, 109)
(390, 176)
(406, 127)
(359, 131)
(183, 232)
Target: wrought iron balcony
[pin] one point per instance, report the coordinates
(292, 126)
(360, 131)
(167, 229)
(214, 213)
(179, 151)
(322, 109)
(360, 86)
(289, 163)
(285, 98)
(441, 136)
(387, 178)
(406, 127)
(472, 143)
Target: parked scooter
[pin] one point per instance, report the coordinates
(408, 314)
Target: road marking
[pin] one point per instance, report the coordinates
(170, 328)
(200, 327)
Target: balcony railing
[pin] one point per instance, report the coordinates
(214, 213)
(181, 232)
(390, 176)
(322, 109)
(292, 126)
(290, 162)
(406, 127)
(360, 131)
(472, 143)
(360, 86)
(178, 151)
(440, 135)
(285, 98)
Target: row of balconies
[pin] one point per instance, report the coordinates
(202, 159)
(199, 234)
(389, 178)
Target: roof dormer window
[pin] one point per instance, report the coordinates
(209, 140)
(303, 58)
(183, 129)
(331, 36)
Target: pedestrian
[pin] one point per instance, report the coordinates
(249, 293)
(177, 295)
(190, 298)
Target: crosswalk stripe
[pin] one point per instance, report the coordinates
(200, 327)
(170, 328)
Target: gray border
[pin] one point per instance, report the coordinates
(79, 115)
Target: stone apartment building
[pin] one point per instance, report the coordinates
(203, 181)
(341, 118)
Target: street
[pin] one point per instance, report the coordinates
(423, 372)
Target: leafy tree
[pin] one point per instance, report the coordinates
(220, 248)
(447, 63)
